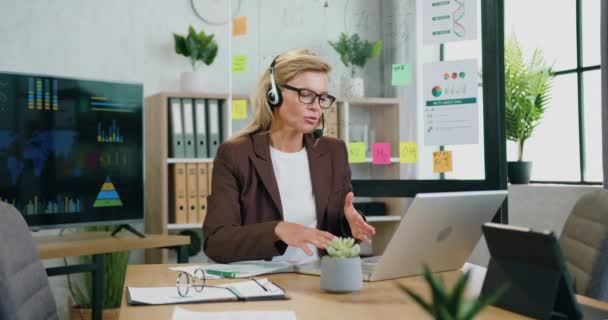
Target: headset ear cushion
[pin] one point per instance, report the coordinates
(274, 97)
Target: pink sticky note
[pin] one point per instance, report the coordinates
(381, 153)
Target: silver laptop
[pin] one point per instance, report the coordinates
(439, 230)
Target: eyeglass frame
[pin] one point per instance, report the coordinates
(317, 96)
(199, 274)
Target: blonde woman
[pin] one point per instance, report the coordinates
(280, 190)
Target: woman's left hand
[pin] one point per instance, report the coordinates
(358, 227)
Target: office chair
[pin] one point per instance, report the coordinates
(24, 285)
(584, 243)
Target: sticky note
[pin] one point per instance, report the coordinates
(381, 153)
(408, 152)
(239, 26)
(442, 161)
(239, 109)
(356, 152)
(401, 75)
(239, 63)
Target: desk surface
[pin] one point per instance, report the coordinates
(89, 243)
(377, 300)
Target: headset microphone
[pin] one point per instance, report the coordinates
(274, 96)
(318, 133)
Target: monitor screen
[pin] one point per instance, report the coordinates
(71, 151)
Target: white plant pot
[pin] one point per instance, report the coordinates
(341, 275)
(192, 81)
(352, 88)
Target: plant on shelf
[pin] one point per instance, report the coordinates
(341, 267)
(451, 305)
(527, 95)
(114, 271)
(200, 48)
(354, 54)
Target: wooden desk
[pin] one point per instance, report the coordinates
(377, 300)
(91, 243)
(96, 244)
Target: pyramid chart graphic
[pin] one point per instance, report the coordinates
(107, 197)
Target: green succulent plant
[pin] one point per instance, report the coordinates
(343, 248)
(527, 92)
(355, 52)
(198, 47)
(451, 305)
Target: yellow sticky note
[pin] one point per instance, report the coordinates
(442, 161)
(408, 152)
(239, 26)
(239, 63)
(356, 152)
(239, 109)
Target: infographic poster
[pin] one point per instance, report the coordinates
(450, 103)
(449, 20)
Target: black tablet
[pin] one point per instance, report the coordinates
(531, 263)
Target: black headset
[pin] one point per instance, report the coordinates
(275, 99)
(274, 96)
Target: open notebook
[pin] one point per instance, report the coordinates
(247, 290)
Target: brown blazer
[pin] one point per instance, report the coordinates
(245, 205)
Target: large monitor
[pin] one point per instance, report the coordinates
(71, 151)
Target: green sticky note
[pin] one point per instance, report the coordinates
(239, 109)
(401, 75)
(408, 152)
(356, 152)
(239, 63)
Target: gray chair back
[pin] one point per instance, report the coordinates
(584, 243)
(24, 285)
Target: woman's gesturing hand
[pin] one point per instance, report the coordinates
(297, 235)
(360, 229)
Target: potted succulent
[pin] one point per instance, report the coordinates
(200, 48)
(451, 305)
(354, 54)
(341, 268)
(114, 271)
(527, 94)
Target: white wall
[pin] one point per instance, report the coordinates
(112, 40)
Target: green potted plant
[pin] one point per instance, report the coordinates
(354, 54)
(451, 305)
(527, 94)
(201, 49)
(114, 271)
(341, 268)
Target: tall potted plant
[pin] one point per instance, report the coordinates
(527, 94)
(114, 271)
(354, 54)
(448, 304)
(200, 48)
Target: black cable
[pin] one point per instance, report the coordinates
(216, 23)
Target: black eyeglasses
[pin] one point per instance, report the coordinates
(198, 281)
(308, 96)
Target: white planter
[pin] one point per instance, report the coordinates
(341, 275)
(352, 88)
(192, 82)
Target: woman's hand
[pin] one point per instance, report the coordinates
(297, 235)
(358, 227)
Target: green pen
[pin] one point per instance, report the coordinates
(224, 274)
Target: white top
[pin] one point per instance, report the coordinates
(295, 188)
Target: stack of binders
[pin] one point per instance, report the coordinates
(196, 127)
(331, 122)
(188, 192)
(196, 132)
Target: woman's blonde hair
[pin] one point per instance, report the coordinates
(288, 66)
